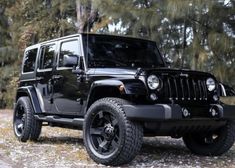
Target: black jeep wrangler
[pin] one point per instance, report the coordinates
(119, 89)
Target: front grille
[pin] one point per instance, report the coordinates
(184, 88)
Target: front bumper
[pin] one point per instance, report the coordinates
(175, 112)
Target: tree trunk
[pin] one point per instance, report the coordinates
(196, 57)
(80, 16)
(196, 46)
(184, 43)
(86, 16)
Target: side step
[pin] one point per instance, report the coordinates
(58, 119)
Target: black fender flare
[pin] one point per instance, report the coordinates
(129, 87)
(29, 91)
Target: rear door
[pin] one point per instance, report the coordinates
(67, 92)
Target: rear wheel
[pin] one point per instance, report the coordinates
(213, 143)
(24, 124)
(110, 138)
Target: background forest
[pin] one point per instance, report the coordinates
(195, 34)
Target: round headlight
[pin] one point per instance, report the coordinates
(153, 82)
(210, 83)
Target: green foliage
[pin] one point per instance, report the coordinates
(9, 77)
(26, 22)
(34, 20)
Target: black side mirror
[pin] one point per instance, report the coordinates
(70, 60)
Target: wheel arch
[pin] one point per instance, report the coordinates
(30, 92)
(115, 88)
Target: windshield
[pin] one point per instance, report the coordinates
(111, 51)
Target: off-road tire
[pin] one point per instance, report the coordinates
(131, 133)
(32, 127)
(224, 141)
(35, 129)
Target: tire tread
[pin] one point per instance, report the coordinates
(220, 147)
(133, 136)
(32, 127)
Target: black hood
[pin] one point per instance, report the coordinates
(175, 71)
(124, 72)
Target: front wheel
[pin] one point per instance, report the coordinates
(212, 143)
(110, 138)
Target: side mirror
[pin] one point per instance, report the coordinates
(70, 60)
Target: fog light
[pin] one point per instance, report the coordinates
(213, 112)
(215, 98)
(185, 112)
(153, 96)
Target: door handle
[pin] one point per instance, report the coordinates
(57, 77)
(39, 78)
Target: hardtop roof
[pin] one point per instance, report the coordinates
(78, 34)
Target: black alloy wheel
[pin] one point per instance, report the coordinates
(19, 120)
(25, 125)
(104, 133)
(110, 138)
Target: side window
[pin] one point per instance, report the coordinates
(29, 60)
(68, 48)
(47, 56)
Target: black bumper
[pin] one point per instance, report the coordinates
(173, 112)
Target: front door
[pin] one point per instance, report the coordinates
(44, 74)
(67, 95)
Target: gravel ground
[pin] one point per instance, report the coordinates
(63, 148)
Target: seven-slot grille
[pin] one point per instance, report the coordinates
(184, 87)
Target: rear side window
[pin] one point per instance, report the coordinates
(68, 48)
(29, 60)
(47, 56)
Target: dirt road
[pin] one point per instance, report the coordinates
(63, 148)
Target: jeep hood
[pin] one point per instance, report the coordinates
(133, 71)
(177, 71)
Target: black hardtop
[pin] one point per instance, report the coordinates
(85, 34)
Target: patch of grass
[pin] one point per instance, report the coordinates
(5, 132)
(82, 155)
(156, 156)
(3, 146)
(228, 100)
